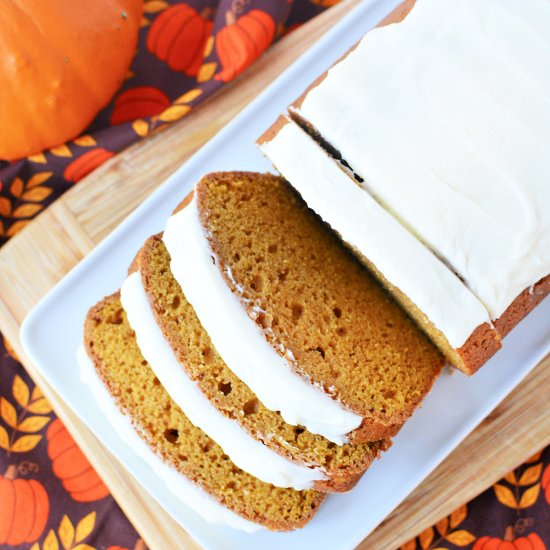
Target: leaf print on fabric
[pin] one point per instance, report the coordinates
(447, 530)
(531, 475)
(517, 498)
(154, 6)
(174, 113)
(189, 96)
(530, 496)
(242, 41)
(426, 537)
(5, 207)
(505, 496)
(39, 404)
(8, 412)
(27, 210)
(67, 537)
(460, 538)
(20, 422)
(178, 37)
(140, 127)
(85, 141)
(71, 467)
(61, 151)
(26, 202)
(39, 158)
(206, 72)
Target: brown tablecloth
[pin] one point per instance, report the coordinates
(50, 497)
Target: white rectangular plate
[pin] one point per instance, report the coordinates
(53, 330)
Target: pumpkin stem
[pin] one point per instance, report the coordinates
(207, 13)
(230, 18)
(11, 472)
(27, 466)
(509, 533)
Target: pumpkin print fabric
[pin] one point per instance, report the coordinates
(513, 514)
(50, 496)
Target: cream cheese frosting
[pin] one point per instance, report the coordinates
(403, 260)
(188, 492)
(247, 453)
(239, 340)
(446, 117)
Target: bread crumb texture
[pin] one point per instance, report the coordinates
(160, 422)
(313, 299)
(198, 357)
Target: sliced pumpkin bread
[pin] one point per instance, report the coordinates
(441, 304)
(314, 302)
(342, 465)
(111, 345)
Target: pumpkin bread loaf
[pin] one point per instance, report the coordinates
(343, 465)
(503, 255)
(319, 306)
(111, 345)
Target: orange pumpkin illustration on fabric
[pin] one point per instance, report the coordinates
(531, 542)
(546, 483)
(139, 102)
(72, 467)
(178, 37)
(325, 3)
(241, 42)
(83, 165)
(25, 508)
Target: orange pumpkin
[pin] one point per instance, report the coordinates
(61, 63)
(178, 36)
(325, 3)
(546, 483)
(25, 509)
(83, 165)
(72, 467)
(531, 542)
(238, 44)
(139, 102)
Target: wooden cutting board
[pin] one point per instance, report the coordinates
(34, 260)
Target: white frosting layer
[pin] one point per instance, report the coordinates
(364, 224)
(188, 492)
(446, 116)
(240, 342)
(247, 453)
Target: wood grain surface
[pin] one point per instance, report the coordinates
(35, 259)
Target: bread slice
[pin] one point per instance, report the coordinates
(454, 319)
(313, 301)
(111, 345)
(489, 217)
(193, 348)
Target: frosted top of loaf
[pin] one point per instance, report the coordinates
(446, 116)
(404, 261)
